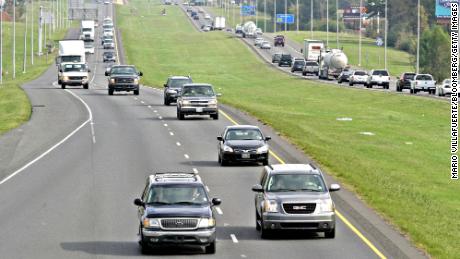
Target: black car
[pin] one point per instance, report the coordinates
(123, 78)
(276, 58)
(298, 65)
(344, 75)
(173, 88)
(109, 57)
(242, 143)
(404, 81)
(285, 60)
(175, 209)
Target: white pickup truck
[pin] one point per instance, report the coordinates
(423, 82)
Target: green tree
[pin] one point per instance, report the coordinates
(435, 53)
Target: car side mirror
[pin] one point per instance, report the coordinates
(141, 74)
(216, 201)
(220, 138)
(257, 188)
(267, 138)
(139, 202)
(218, 94)
(334, 187)
(165, 85)
(107, 73)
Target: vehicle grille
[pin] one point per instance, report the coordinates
(199, 103)
(298, 225)
(75, 78)
(299, 208)
(241, 150)
(124, 80)
(179, 223)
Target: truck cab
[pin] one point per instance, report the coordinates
(73, 74)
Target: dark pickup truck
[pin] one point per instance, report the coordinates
(123, 78)
(278, 40)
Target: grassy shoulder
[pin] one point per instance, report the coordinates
(14, 105)
(402, 171)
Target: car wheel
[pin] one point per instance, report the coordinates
(398, 89)
(304, 74)
(136, 92)
(223, 162)
(264, 233)
(166, 101)
(265, 162)
(86, 86)
(180, 115)
(211, 248)
(350, 84)
(110, 91)
(339, 81)
(63, 86)
(215, 116)
(257, 222)
(330, 234)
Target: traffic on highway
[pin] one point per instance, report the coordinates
(110, 167)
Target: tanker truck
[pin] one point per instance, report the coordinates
(249, 30)
(331, 63)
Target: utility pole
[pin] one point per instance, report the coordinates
(297, 14)
(1, 44)
(257, 15)
(337, 22)
(285, 15)
(24, 64)
(14, 39)
(265, 15)
(311, 19)
(32, 33)
(418, 37)
(386, 32)
(327, 23)
(360, 24)
(274, 16)
(40, 19)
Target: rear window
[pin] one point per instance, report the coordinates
(409, 76)
(360, 73)
(299, 62)
(286, 57)
(380, 73)
(424, 77)
(311, 64)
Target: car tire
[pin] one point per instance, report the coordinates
(63, 86)
(304, 74)
(180, 115)
(136, 92)
(330, 234)
(265, 233)
(166, 101)
(265, 162)
(350, 84)
(110, 91)
(211, 248)
(215, 116)
(223, 162)
(339, 81)
(257, 222)
(86, 86)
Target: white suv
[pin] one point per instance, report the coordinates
(378, 77)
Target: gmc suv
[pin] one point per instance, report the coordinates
(174, 208)
(123, 78)
(294, 197)
(173, 88)
(197, 99)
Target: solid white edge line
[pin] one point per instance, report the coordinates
(207, 189)
(234, 238)
(219, 211)
(90, 119)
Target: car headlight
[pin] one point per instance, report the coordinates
(185, 103)
(85, 78)
(112, 81)
(136, 81)
(171, 91)
(65, 78)
(326, 206)
(212, 102)
(207, 223)
(228, 149)
(150, 223)
(262, 149)
(270, 206)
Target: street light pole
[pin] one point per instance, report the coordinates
(285, 15)
(418, 37)
(1, 44)
(297, 14)
(386, 32)
(360, 24)
(311, 19)
(327, 23)
(274, 16)
(25, 46)
(14, 39)
(337, 22)
(32, 33)
(265, 15)
(257, 15)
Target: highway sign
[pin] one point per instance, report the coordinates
(248, 10)
(285, 18)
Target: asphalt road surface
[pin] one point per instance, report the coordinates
(76, 201)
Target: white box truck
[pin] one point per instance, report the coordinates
(87, 30)
(219, 23)
(312, 49)
(71, 63)
(71, 51)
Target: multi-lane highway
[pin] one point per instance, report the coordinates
(71, 174)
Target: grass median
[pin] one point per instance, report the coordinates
(394, 152)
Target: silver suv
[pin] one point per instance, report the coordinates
(197, 99)
(294, 197)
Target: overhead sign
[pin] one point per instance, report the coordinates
(285, 18)
(248, 10)
(379, 41)
(443, 8)
(353, 12)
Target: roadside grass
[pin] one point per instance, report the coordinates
(402, 171)
(14, 104)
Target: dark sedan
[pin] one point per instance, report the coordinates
(298, 65)
(243, 143)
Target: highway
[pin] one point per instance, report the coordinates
(294, 48)
(71, 194)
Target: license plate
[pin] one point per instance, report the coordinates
(245, 155)
(199, 109)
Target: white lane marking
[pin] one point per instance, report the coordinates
(207, 188)
(243, 256)
(142, 102)
(166, 125)
(171, 133)
(234, 238)
(186, 156)
(92, 132)
(178, 144)
(219, 211)
(226, 224)
(89, 120)
(135, 98)
(150, 106)
(195, 171)
(159, 117)
(155, 111)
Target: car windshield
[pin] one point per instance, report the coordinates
(198, 90)
(424, 77)
(277, 56)
(123, 70)
(296, 182)
(360, 73)
(176, 194)
(380, 73)
(311, 64)
(65, 59)
(88, 45)
(86, 29)
(74, 68)
(447, 81)
(108, 41)
(178, 83)
(243, 134)
(108, 54)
